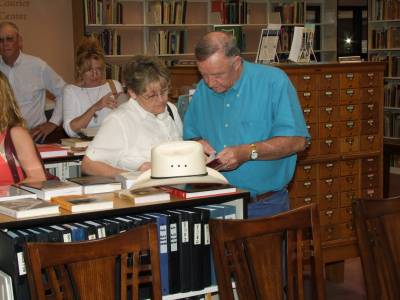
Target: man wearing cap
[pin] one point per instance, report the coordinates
(250, 116)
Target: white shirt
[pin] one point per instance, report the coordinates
(126, 136)
(30, 77)
(77, 101)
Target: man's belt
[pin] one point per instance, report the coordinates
(262, 196)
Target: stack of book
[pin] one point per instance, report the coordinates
(145, 195)
(10, 192)
(28, 207)
(82, 203)
(51, 150)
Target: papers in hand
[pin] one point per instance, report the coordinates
(214, 162)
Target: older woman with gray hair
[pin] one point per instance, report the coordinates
(127, 135)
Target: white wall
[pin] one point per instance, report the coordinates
(46, 28)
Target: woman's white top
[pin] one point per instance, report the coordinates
(78, 100)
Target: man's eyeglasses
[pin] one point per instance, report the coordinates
(9, 39)
(155, 96)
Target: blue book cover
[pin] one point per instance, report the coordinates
(162, 228)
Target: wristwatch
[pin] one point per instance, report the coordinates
(253, 152)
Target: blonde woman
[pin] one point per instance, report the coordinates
(92, 97)
(19, 160)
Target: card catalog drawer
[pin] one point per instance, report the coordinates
(310, 114)
(329, 97)
(349, 80)
(370, 142)
(348, 183)
(349, 96)
(349, 128)
(369, 126)
(306, 82)
(347, 197)
(304, 188)
(329, 185)
(307, 171)
(349, 167)
(329, 113)
(349, 112)
(370, 164)
(329, 81)
(308, 98)
(370, 79)
(301, 201)
(369, 110)
(349, 144)
(328, 201)
(369, 180)
(329, 129)
(328, 146)
(370, 94)
(329, 216)
(329, 169)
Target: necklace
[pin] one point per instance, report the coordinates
(91, 101)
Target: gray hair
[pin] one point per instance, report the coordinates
(11, 24)
(213, 42)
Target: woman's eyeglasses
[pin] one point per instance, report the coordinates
(155, 96)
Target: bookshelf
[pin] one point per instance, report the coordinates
(169, 29)
(13, 264)
(384, 45)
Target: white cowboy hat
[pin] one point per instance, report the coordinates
(178, 163)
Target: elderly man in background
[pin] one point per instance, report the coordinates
(30, 77)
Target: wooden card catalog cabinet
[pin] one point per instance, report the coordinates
(343, 109)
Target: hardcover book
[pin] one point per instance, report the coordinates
(52, 188)
(194, 190)
(75, 142)
(145, 195)
(10, 192)
(128, 179)
(96, 184)
(81, 203)
(28, 207)
(51, 150)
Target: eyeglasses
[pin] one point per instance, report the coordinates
(155, 96)
(8, 38)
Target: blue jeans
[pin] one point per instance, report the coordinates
(275, 204)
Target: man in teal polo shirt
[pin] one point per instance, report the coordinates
(249, 115)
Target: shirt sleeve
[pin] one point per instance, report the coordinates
(70, 109)
(55, 84)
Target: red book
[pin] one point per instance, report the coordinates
(196, 190)
(51, 150)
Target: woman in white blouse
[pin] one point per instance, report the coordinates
(87, 102)
(147, 119)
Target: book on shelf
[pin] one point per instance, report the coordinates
(51, 150)
(235, 31)
(75, 142)
(28, 207)
(96, 184)
(194, 190)
(145, 195)
(349, 59)
(51, 188)
(10, 192)
(82, 203)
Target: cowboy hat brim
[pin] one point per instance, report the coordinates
(145, 180)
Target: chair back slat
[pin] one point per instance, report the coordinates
(249, 253)
(377, 225)
(110, 268)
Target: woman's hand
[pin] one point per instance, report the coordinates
(144, 166)
(106, 101)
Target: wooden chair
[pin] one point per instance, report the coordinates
(249, 252)
(110, 268)
(377, 225)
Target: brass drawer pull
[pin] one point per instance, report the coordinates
(328, 76)
(330, 229)
(370, 160)
(329, 213)
(307, 168)
(328, 110)
(371, 176)
(350, 124)
(329, 197)
(371, 75)
(371, 91)
(329, 165)
(371, 107)
(307, 200)
(350, 92)
(307, 110)
(328, 93)
(329, 181)
(329, 126)
(306, 77)
(370, 122)
(371, 138)
(350, 108)
(307, 94)
(350, 76)
(307, 184)
(329, 142)
(350, 140)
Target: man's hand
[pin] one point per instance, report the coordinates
(206, 147)
(233, 157)
(39, 133)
